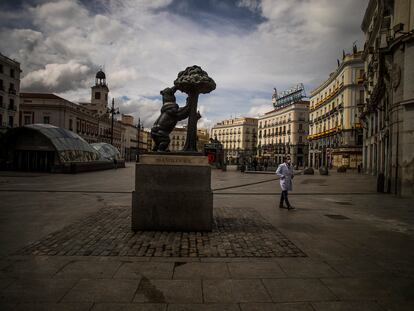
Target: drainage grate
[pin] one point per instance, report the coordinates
(337, 216)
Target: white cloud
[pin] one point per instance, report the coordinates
(142, 48)
(60, 15)
(57, 77)
(145, 109)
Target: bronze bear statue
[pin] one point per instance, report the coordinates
(171, 113)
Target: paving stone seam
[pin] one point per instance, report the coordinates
(376, 302)
(294, 193)
(122, 263)
(63, 267)
(267, 290)
(68, 291)
(202, 291)
(92, 306)
(333, 268)
(136, 290)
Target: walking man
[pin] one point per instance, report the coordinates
(285, 172)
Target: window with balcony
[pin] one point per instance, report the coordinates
(12, 90)
(11, 104)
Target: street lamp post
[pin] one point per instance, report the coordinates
(140, 127)
(113, 111)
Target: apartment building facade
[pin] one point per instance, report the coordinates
(179, 135)
(283, 131)
(9, 92)
(238, 137)
(388, 113)
(335, 131)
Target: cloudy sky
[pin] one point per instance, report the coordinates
(247, 46)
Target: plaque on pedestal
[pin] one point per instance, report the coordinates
(172, 193)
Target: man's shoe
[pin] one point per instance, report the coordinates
(290, 207)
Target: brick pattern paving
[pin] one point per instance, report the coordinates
(237, 232)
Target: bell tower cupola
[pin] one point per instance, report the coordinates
(99, 94)
(100, 78)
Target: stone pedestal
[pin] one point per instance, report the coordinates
(172, 193)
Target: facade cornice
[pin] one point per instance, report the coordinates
(295, 106)
(10, 61)
(356, 59)
(59, 104)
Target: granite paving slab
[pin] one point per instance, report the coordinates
(169, 291)
(296, 290)
(102, 290)
(129, 307)
(234, 291)
(36, 290)
(300, 306)
(203, 307)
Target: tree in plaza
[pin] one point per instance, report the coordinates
(193, 81)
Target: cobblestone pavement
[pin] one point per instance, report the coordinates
(237, 232)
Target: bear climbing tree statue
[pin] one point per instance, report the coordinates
(171, 113)
(193, 81)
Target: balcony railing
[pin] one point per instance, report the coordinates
(328, 97)
(325, 133)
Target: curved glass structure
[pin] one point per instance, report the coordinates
(107, 151)
(70, 147)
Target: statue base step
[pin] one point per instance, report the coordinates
(172, 193)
